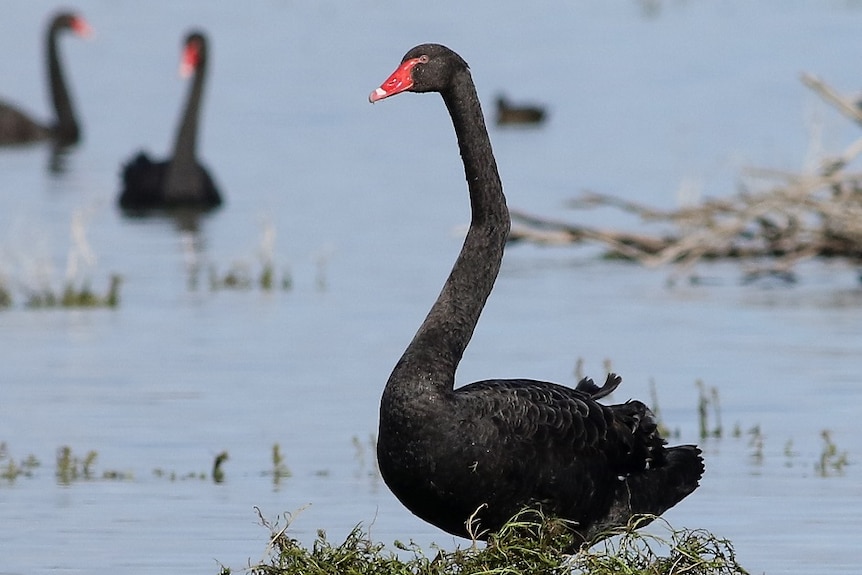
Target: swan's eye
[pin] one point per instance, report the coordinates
(423, 59)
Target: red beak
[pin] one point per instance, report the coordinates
(190, 59)
(81, 27)
(400, 80)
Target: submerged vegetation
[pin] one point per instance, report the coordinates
(241, 277)
(39, 287)
(72, 296)
(831, 460)
(257, 272)
(72, 468)
(707, 404)
(280, 470)
(218, 472)
(10, 470)
(523, 546)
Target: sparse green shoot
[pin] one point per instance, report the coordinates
(280, 470)
(708, 403)
(755, 442)
(10, 470)
(72, 468)
(831, 460)
(218, 472)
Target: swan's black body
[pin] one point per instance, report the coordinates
(503, 445)
(16, 127)
(180, 182)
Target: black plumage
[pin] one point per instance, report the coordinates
(491, 448)
(181, 181)
(16, 126)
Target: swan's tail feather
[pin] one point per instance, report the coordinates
(588, 386)
(652, 492)
(660, 488)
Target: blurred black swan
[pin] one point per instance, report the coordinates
(513, 114)
(489, 449)
(16, 127)
(179, 182)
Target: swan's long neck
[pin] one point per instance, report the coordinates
(66, 129)
(429, 363)
(182, 176)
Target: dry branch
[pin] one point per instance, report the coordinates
(790, 218)
(846, 106)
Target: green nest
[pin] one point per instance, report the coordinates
(521, 547)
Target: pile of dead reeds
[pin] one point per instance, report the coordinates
(788, 218)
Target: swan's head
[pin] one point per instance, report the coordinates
(73, 22)
(194, 53)
(425, 68)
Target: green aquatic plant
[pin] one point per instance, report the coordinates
(755, 442)
(279, 467)
(708, 403)
(831, 460)
(236, 278)
(72, 468)
(266, 253)
(528, 544)
(173, 476)
(267, 277)
(789, 453)
(239, 277)
(218, 472)
(72, 296)
(75, 290)
(112, 298)
(10, 470)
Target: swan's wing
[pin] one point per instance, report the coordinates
(16, 127)
(535, 413)
(557, 423)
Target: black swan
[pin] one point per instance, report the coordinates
(492, 448)
(180, 182)
(16, 127)
(514, 114)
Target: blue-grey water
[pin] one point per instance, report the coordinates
(655, 101)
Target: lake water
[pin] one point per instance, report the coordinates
(653, 101)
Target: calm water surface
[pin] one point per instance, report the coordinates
(366, 204)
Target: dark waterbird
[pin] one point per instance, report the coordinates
(494, 447)
(509, 114)
(16, 127)
(179, 182)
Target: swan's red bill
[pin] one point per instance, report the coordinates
(191, 58)
(400, 80)
(81, 27)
